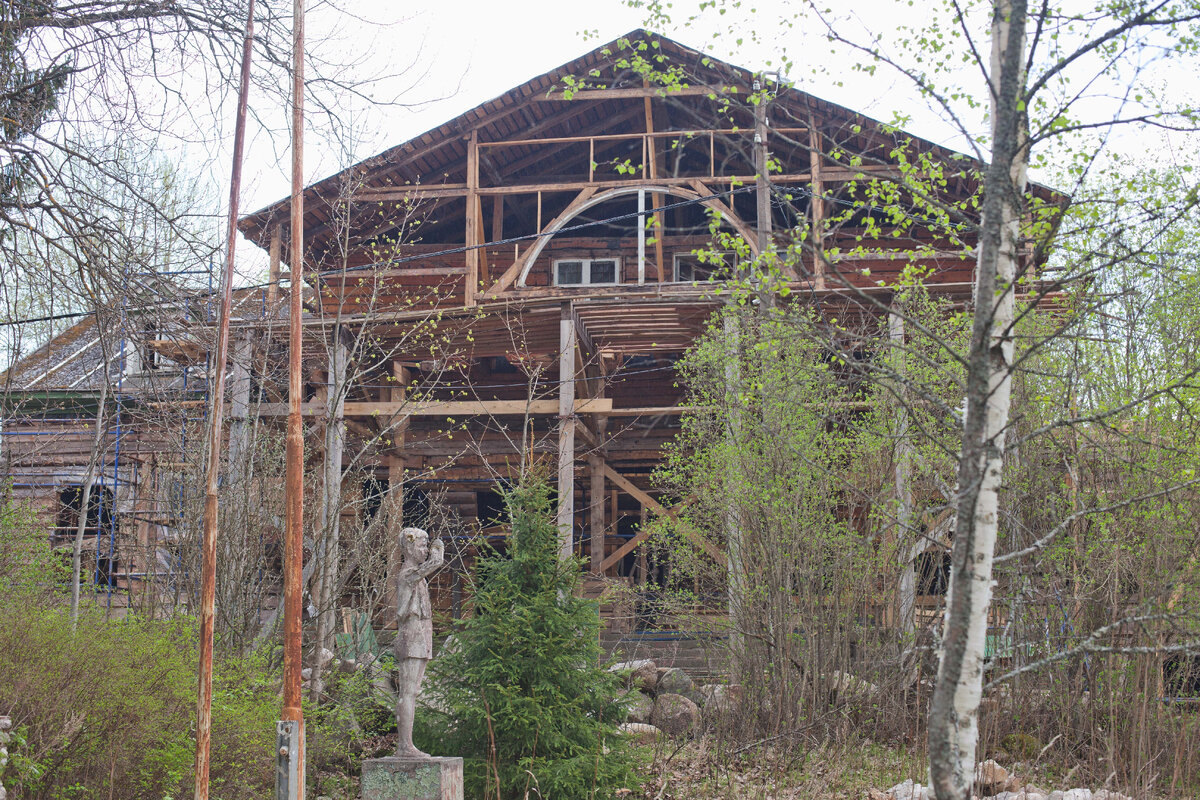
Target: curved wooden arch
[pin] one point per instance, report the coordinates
(588, 200)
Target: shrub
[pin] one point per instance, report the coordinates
(109, 710)
(527, 702)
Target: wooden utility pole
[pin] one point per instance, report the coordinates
(289, 774)
(208, 566)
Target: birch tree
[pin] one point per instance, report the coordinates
(953, 716)
(1058, 89)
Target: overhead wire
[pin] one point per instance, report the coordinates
(319, 274)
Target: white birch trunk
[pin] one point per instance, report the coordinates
(328, 552)
(954, 712)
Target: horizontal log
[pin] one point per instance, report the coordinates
(443, 408)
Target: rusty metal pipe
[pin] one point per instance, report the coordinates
(293, 552)
(216, 417)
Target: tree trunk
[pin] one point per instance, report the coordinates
(953, 722)
(85, 497)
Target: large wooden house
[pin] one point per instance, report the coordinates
(517, 281)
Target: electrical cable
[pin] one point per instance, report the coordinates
(418, 257)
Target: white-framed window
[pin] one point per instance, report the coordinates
(689, 268)
(587, 271)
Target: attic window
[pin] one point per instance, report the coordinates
(586, 272)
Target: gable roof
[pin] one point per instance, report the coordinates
(439, 155)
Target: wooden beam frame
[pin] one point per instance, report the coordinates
(589, 198)
(657, 507)
(518, 266)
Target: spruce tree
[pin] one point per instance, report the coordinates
(526, 700)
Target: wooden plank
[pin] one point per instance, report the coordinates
(394, 272)
(818, 203)
(473, 217)
(694, 537)
(652, 162)
(762, 180)
(412, 192)
(498, 218)
(635, 92)
(445, 408)
(566, 431)
(273, 274)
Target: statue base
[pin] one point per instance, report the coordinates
(406, 778)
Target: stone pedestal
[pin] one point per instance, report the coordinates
(397, 778)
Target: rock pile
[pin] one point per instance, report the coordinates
(667, 701)
(993, 782)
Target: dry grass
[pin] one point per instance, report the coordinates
(701, 771)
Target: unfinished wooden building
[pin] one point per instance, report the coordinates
(519, 280)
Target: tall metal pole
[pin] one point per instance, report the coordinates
(208, 570)
(290, 776)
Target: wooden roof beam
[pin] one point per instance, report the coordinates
(638, 92)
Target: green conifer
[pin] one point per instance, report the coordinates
(527, 701)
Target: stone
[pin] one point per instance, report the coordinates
(675, 681)
(642, 674)
(306, 674)
(640, 707)
(348, 666)
(675, 714)
(990, 777)
(640, 731)
(324, 656)
(399, 778)
(848, 686)
(910, 791)
(721, 702)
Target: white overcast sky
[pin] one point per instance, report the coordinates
(469, 51)
(465, 52)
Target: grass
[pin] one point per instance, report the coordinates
(701, 771)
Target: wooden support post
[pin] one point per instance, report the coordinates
(818, 204)
(472, 237)
(497, 218)
(239, 406)
(596, 508)
(566, 431)
(398, 393)
(652, 160)
(762, 179)
(328, 551)
(273, 275)
(908, 545)
(641, 237)
(735, 571)
(642, 567)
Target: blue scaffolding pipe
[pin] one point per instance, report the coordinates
(44, 433)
